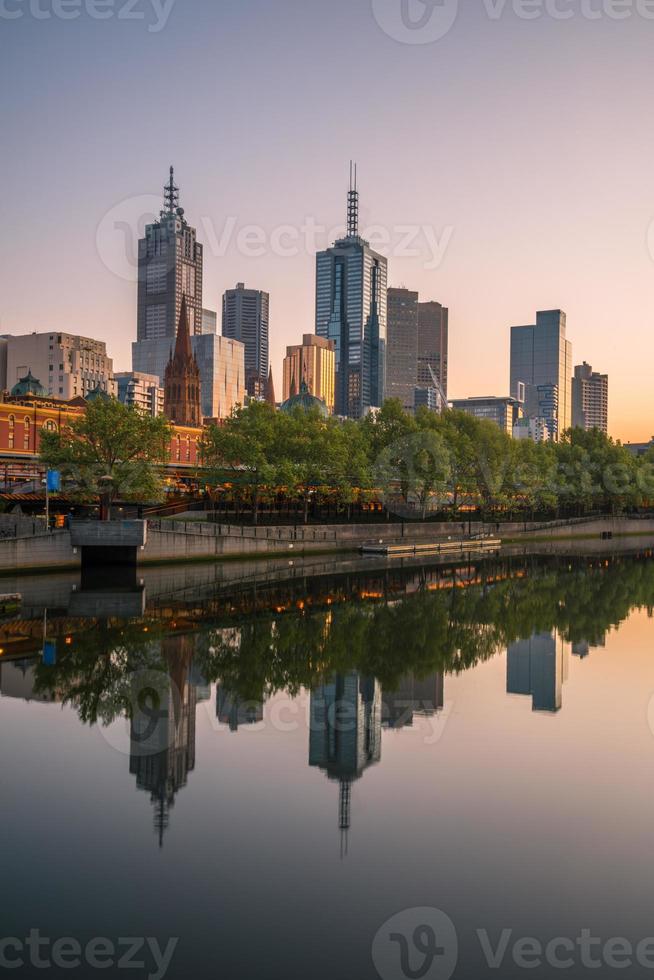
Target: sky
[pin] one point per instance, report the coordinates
(504, 151)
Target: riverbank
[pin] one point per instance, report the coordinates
(173, 541)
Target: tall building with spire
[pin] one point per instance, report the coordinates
(182, 378)
(169, 267)
(351, 285)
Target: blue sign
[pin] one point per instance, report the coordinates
(53, 479)
(49, 653)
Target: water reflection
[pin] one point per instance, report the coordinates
(373, 648)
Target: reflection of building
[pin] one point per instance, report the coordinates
(411, 698)
(162, 740)
(538, 667)
(345, 733)
(17, 679)
(232, 711)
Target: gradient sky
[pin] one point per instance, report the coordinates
(527, 142)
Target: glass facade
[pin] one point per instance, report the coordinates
(351, 285)
(541, 356)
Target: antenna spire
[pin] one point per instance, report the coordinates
(353, 204)
(171, 194)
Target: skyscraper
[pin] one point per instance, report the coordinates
(590, 399)
(351, 284)
(246, 319)
(169, 267)
(433, 339)
(541, 358)
(402, 347)
(313, 361)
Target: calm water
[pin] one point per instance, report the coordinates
(271, 762)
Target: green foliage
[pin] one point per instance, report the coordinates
(424, 462)
(110, 452)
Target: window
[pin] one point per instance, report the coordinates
(50, 426)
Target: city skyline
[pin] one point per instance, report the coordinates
(530, 228)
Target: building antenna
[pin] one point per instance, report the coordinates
(171, 194)
(353, 204)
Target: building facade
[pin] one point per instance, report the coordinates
(169, 267)
(590, 399)
(351, 287)
(504, 412)
(402, 346)
(141, 390)
(433, 341)
(68, 366)
(314, 363)
(209, 321)
(541, 359)
(246, 318)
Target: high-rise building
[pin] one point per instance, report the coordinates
(433, 340)
(182, 379)
(314, 363)
(67, 366)
(590, 399)
(209, 321)
(142, 390)
(402, 346)
(505, 412)
(351, 284)
(541, 356)
(169, 267)
(246, 317)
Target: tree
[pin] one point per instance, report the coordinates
(111, 452)
(418, 463)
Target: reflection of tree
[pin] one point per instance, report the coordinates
(442, 631)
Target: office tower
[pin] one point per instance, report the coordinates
(537, 429)
(427, 398)
(169, 267)
(433, 339)
(314, 363)
(209, 321)
(222, 373)
(505, 412)
(538, 667)
(141, 390)
(67, 366)
(246, 315)
(351, 284)
(182, 379)
(590, 399)
(541, 356)
(402, 346)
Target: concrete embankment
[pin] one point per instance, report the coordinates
(179, 541)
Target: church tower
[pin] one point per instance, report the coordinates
(182, 379)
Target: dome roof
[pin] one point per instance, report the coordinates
(29, 385)
(98, 393)
(306, 401)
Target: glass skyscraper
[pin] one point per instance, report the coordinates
(541, 359)
(351, 285)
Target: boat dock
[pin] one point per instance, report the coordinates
(405, 550)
